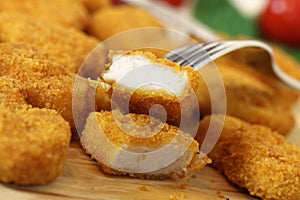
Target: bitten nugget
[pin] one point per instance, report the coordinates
(67, 13)
(121, 18)
(65, 46)
(34, 145)
(157, 81)
(254, 157)
(122, 148)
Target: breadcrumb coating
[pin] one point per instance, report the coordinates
(256, 158)
(141, 101)
(34, 145)
(45, 83)
(12, 94)
(25, 62)
(67, 13)
(65, 46)
(251, 98)
(139, 141)
(94, 5)
(121, 18)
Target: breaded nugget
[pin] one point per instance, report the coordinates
(140, 153)
(93, 5)
(67, 13)
(254, 157)
(260, 60)
(27, 62)
(157, 81)
(34, 145)
(251, 98)
(12, 94)
(65, 46)
(46, 83)
(121, 18)
(53, 92)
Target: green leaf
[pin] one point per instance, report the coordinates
(221, 16)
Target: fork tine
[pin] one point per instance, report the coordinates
(202, 50)
(179, 54)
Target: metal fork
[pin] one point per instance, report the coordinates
(199, 55)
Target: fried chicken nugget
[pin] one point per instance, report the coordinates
(105, 137)
(34, 145)
(254, 157)
(45, 83)
(158, 81)
(121, 18)
(65, 46)
(67, 13)
(251, 98)
(12, 94)
(93, 5)
(260, 60)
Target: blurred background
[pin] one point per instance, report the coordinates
(276, 21)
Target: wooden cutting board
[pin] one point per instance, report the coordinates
(82, 179)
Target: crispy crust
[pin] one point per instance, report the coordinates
(256, 158)
(93, 5)
(12, 94)
(251, 98)
(190, 162)
(141, 101)
(135, 17)
(34, 145)
(65, 46)
(68, 13)
(44, 83)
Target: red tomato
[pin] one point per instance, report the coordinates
(281, 21)
(175, 2)
(116, 2)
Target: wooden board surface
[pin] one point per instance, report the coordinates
(82, 179)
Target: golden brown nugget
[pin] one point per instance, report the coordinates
(106, 139)
(67, 13)
(121, 18)
(12, 94)
(176, 94)
(65, 46)
(260, 60)
(28, 62)
(34, 145)
(93, 5)
(46, 83)
(254, 157)
(251, 98)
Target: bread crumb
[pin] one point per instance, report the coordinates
(179, 196)
(143, 188)
(220, 195)
(182, 186)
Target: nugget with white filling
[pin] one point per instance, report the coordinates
(138, 81)
(140, 146)
(34, 145)
(254, 157)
